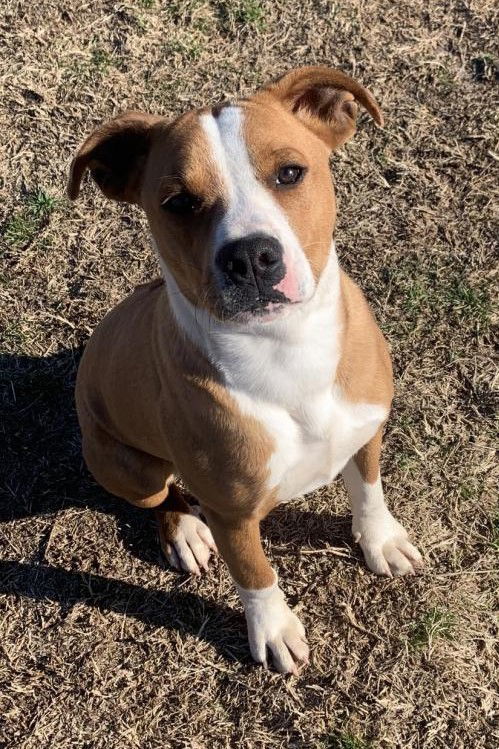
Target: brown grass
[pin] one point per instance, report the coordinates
(100, 645)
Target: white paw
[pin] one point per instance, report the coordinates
(192, 545)
(386, 546)
(273, 626)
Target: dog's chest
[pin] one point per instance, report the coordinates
(314, 439)
(288, 387)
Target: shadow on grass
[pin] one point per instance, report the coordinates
(175, 609)
(42, 469)
(42, 472)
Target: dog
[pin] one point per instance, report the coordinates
(253, 370)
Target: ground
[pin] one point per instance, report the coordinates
(100, 644)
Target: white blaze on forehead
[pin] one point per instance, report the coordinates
(251, 209)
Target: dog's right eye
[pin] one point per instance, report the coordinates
(181, 202)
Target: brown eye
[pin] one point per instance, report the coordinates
(182, 202)
(290, 174)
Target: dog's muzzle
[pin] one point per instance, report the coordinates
(251, 268)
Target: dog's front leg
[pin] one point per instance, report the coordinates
(384, 541)
(271, 623)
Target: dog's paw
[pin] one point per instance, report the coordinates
(190, 545)
(272, 626)
(386, 546)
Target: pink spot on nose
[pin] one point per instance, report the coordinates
(289, 285)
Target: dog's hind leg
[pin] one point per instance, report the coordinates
(147, 481)
(185, 540)
(131, 474)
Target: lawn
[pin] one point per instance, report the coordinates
(101, 646)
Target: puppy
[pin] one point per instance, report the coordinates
(253, 370)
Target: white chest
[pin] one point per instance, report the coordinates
(287, 384)
(312, 444)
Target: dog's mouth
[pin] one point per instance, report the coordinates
(233, 305)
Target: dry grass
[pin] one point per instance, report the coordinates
(100, 645)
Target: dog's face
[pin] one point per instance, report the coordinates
(239, 198)
(240, 204)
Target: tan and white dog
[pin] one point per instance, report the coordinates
(254, 370)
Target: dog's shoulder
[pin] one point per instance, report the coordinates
(143, 295)
(133, 312)
(364, 370)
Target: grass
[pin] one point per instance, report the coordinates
(242, 14)
(25, 225)
(405, 461)
(469, 491)
(345, 741)
(250, 12)
(443, 291)
(95, 60)
(485, 66)
(20, 229)
(190, 48)
(13, 334)
(495, 532)
(435, 624)
(467, 301)
(104, 647)
(100, 60)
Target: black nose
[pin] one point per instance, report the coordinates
(255, 260)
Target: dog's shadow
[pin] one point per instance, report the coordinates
(42, 472)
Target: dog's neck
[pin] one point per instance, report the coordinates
(298, 350)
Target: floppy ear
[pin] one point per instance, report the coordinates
(115, 155)
(325, 100)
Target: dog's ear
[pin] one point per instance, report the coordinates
(325, 100)
(115, 155)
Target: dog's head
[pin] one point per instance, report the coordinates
(239, 197)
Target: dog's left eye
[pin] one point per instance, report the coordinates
(289, 174)
(182, 202)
